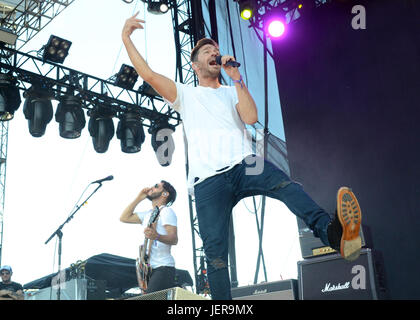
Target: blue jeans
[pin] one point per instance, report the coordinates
(215, 198)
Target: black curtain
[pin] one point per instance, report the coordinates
(351, 109)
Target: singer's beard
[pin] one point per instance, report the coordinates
(154, 196)
(211, 73)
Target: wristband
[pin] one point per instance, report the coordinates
(158, 236)
(239, 81)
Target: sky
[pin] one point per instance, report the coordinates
(47, 177)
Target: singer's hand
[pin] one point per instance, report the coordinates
(230, 71)
(132, 24)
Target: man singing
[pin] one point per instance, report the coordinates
(213, 116)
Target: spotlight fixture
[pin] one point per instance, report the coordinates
(38, 110)
(9, 97)
(70, 116)
(275, 24)
(130, 131)
(56, 50)
(276, 28)
(7, 36)
(101, 127)
(157, 7)
(246, 9)
(162, 141)
(126, 77)
(148, 90)
(306, 6)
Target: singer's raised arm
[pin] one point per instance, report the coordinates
(163, 85)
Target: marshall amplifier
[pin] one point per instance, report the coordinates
(333, 278)
(311, 246)
(278, 290)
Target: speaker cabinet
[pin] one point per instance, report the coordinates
(278, 290)
(74, 289)
(333, 278)
(169, 294)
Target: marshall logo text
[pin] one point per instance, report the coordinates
(329, 287)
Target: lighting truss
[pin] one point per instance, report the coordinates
(31, 16)
(91, 90)
(288, 7)
(186, 34)
(187, 31)
(25, 19)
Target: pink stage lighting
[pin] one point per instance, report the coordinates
(276, 28)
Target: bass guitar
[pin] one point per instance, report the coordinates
(143, 267)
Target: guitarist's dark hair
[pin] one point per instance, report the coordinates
(171, 190)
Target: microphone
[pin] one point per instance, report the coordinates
(104, 179)
(234, 64)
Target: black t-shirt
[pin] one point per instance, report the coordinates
(12, 286)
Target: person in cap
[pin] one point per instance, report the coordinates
(9, 290)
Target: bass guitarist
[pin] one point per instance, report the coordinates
(162, 235)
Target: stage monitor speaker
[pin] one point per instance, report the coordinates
(333, 278)
(74, 289)
(278, 290)
(95, 289)
(169, 294)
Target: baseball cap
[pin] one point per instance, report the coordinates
(8, 268)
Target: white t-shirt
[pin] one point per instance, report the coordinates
(217, 137)
(161, 252)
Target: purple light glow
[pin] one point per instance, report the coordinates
(276, 28)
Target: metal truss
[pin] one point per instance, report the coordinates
(31, 16)
(288, 7)
(4, 127)
(60, 80)
(188, 29)
(25, 18)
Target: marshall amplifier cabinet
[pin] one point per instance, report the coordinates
(278, 290)
(311, 246)
(333, 278)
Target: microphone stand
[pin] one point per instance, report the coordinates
(59, 234)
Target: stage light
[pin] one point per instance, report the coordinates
(306, 6)
(8, 36)
(101, 127)
(157, 7)
(246, 8)
(162, 141)
(148, 90)
(70, 116)
(276, 28)
(56, 50)
(126, 77)
(130, 131)
(9, 97)
(38, 110)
